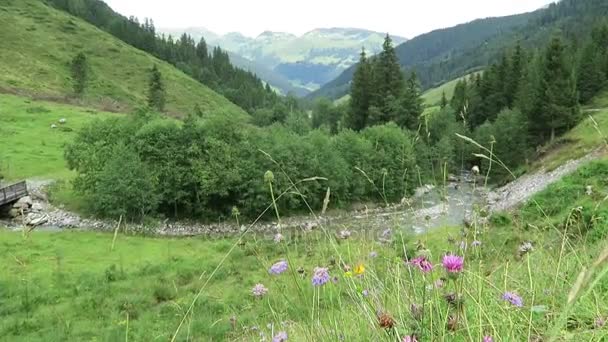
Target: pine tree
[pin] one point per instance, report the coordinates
(590, 76)
(156, 90)
(444, 100)
(388, 83)
(411, 104)
(514, 76)
(558, 94)
(79, 70)
(360, 94)
(459, 98)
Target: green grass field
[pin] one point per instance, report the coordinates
(38, 43)
(73, 286)
(30, 147)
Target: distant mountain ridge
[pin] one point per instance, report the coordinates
(446, 54)
(307, 61)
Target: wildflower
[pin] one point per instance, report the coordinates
(599, 322)
(280, 337)
(513, 298)
(525, 248)
(278, 267)
(320, 276)
(463, 245)
(453, 263)
(422, 263)
(259, 290)
(488, 339)
(386, 234)
(373, 254)
(360, 269)
(345, 234)
(386, 320)
(416, 310)
(452, 323)
(348, 274)
(278, 237)
(365, 293)
(409, 338)
(476, 243)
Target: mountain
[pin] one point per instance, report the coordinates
(445, 54)
(38, 42)
(307, 61)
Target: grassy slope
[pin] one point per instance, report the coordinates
(38, 42)
(30, 147)
(71, 286)
(590, 134)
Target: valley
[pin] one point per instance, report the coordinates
(339, 185)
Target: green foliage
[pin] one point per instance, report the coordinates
(206, 167)
(156, 90)
(360, 94)
(325, 113)
(79, 71)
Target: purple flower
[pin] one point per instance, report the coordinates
(278, 237)
(423, 264)
(281, 336)
(386, 234)
(365, 293)
(259, 290)
(320, 276)
(476, 243)
(278, 267)
(453, 263)
(488, 339)
(513, 298)
(409, 338)
(373, 254)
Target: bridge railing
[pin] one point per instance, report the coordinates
(12, 192)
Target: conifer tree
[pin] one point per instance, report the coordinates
(590, 76)
(411, 104)
(156, 90)
(514, 76)
(79, 70)
(444, 100)
(360, 94)
(388, 84)
(558, 94)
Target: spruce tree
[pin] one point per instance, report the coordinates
(360, 94)
(444, 100)
(156, 90)
(514, 76)
(558, 94)
(388, 84)
(411, 104)
(79, 71)
(590, 76)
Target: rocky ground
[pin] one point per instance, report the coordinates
(520, 190)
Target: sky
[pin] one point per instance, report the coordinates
(405, 18)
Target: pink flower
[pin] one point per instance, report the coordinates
(453, 263)
(423, 264)
(488, 339)
(409, 338)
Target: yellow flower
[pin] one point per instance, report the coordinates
(348, 274)
(360, 269)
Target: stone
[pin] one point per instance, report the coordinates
(33, 219)
(37, 207)
(475, 170)
(453, 179)
(53, 126)
(63, 121)
(24, 203)
(589, 190)
(14, 213)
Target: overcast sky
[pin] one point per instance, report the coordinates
(406, 18)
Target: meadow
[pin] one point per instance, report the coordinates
(530, 275)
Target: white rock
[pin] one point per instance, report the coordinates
(34, 219)
(24, 202)
(62, 121)
(53, 126)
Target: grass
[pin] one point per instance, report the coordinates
(30, 147)
(39, 41)
(73, 286)
(432, 97)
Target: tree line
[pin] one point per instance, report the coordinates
(210, 66)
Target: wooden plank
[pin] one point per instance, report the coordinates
(12, 192)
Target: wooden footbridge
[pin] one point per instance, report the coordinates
(12, 193)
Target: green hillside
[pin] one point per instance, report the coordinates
(432, 97)
(30, 147)
(38, 42)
